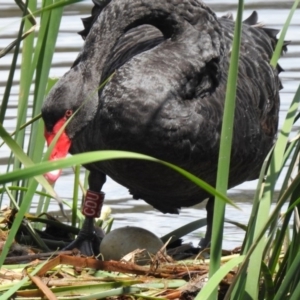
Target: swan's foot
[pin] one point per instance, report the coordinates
(89, 239)
(204, 243)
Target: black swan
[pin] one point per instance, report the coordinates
(170, 62)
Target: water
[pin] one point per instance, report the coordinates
(125, 210)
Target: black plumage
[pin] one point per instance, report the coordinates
(169, 61)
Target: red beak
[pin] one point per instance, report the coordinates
(60, 149)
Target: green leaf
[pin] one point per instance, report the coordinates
(214, 281)
(225, 148)
(89, 157)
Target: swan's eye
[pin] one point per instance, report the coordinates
(68, 113)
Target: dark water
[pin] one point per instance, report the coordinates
(125, 210)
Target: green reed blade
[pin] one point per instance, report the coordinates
(225, 149)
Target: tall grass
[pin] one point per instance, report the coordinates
(263, 273)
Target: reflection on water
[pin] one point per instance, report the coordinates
(125, 210)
